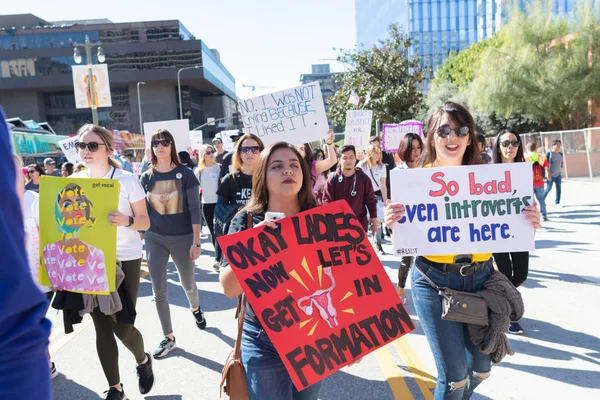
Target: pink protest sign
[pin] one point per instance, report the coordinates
(393, 134)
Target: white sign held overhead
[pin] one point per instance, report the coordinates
(225, 136)
(358, 128)
(68, 148)
(179, 128)
(100, 86)
(196, 139)
(463, 210)
(295, 115)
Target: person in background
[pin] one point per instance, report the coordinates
(208, 176)
(554, 173)
(376, 172)
(126, 164)
(186, 160)
(228, 158)
(66, 169)
(319, 186)
(508, 148)
(282, 184)
(319, 166)
(388, 160)
(173, 203)
(218, 144)
(50, 166)
(78, 168)
(461, 366)
(24, 329)
(409, 153)
(147, 161)
(540, 164)
(34, 172)
(360, 156)
(351, 184)
(482, 151)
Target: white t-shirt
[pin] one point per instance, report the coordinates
(209, 184)
(375, 174)
(129, 244)
(31, 220)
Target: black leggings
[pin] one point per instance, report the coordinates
(403, 269)
(106, 329)
(514, 266)
(208, 210)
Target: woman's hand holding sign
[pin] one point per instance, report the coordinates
(532, 213)
(393, 213)
(118, 219)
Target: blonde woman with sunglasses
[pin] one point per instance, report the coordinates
(207, 174)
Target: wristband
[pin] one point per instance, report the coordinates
(131, 222)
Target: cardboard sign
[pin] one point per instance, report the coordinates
(77, 242)
(69, 150)
(196, 139)
(358, 128)
(318, 289)
(179, 128)
(463, 210)
(295, 115)
(394, 133)
(225, 136)
(100, 86)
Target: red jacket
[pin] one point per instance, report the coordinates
(363, 200)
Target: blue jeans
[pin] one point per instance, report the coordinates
(456, 357)
(550, 182)
(540, 195)
(266, 376)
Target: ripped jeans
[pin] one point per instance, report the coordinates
(457, 360)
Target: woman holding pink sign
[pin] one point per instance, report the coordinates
(461, 365)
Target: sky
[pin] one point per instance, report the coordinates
(265, 43)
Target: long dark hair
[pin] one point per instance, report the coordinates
(496, 152)
(461, 117)
(260, 195)
(406, 146)
(164, 134)
(185, 159)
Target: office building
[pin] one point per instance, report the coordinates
(36, 80)
(327, 81)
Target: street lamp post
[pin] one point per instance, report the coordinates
(179, 88)
(88, 54)
(335, 59)
(140, 106)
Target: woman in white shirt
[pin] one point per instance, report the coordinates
(376, 171)
(208, 176)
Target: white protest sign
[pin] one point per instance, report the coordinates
(463, 210)
(394, 133)
(196, 139)
(295, 115)
(68, 148)
(179, 128)
(225, 136)
(358, 128)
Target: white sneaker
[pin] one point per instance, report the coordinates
(164, 348)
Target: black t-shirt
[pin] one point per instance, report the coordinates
(236, 191)
(227, 158)
(167, 200)
(219, 157)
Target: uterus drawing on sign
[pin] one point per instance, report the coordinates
(321, 299)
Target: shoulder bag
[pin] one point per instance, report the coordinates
(233, 377)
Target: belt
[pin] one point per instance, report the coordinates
(459, 269)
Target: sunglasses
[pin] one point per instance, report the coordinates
(445, 130)
(91, 146)
(209, 152)
(31, 171)
(248, 149)
(163, 143)
(513, 143)
(216, 142)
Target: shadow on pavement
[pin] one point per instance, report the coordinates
(550, 244)
(551, 333)
(582, 378)
(165, 397)
(546, 352)
(534, 279)
(217, 332)
(61, 385)
(343, 385)
(203, 362)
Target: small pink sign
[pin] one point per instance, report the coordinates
(393, 134)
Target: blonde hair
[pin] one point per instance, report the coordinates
(201, 153)
(370, 152)
(105, 136)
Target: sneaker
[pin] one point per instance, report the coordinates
(546, 219)
(166, 346)
(200, 320)
(115, 394)
(380, 249)
(216, 266)
(53, 371)
(515, 328)
(145, 375)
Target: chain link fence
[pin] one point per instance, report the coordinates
(580, 148)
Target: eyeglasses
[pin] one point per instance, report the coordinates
(163, 143)
(253, 149)
(31, 171)
(209, 152)
(513, 143)
(216, 142)
(91, 146)
(445, 130)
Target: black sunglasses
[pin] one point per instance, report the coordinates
(163, 143)
(209, 152)
(248, 149)
(31, 171)
(445, 130)
(91, 146)
(513, 143)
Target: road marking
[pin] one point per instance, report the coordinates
(414, 364)
(55, 347)
(144, 274)
(392, 374)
